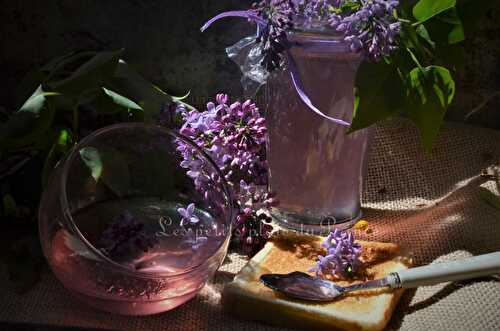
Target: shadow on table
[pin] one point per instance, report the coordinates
(462, 221)
(405, 306)
(399, 169)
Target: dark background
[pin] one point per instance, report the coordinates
(162, 40)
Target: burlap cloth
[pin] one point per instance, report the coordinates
(431, 205)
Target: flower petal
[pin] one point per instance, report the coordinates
(190, 208)
(183, 212)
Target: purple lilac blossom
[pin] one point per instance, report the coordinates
(234, 135)
(188, 216)
(317, 9)
(369, 26)
(189, 221)
(279, 16)
(342, 255)
(252, 230)
(125, 238)
(193, 241)
(372, 29)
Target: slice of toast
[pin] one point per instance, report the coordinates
(365, 310)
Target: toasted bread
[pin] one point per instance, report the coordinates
(366, 310)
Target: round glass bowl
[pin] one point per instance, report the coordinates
(126, 228)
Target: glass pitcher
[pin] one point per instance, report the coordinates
(316, 167)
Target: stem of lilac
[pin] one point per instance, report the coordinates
(248, 14)
(297, 83)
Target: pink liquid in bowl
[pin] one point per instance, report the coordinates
(156, 281)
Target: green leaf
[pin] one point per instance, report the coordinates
(98, 100)
(412, 39)
(63, 140)
(456, 31)
(62, 144)
(30, 82)
(121, 100)
(61, 62)
(26, 126)
(346, 6)
(379, 94)
(433, 80)
(489, 198)
(108, 165)
(450, 17)
(104, 105)
(457, 34)
(92, 159)
(57, 67)
(432, 90)
(424, 34)
(92, 74)
(9, 206)
(185, 96)
(178, 100)
(443, 84)
(36, 102)
(129, 82)
(426, 9)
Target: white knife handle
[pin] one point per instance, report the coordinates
(477, 266)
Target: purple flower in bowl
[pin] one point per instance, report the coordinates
(194, 241)
(125, 238)
(188, 216)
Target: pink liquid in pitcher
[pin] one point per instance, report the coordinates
(315, 166)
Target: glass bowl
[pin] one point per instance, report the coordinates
(126, 228)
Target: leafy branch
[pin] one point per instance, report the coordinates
(68, 89)
(417, 81)
(60, 103)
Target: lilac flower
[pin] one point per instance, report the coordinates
(193, 241)
(234, 135)
(369, 26)
(279, 16)
(317, 9)
(252, 230)
(125, 238)
(188, 216)
(342, 255)
(372, 29)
